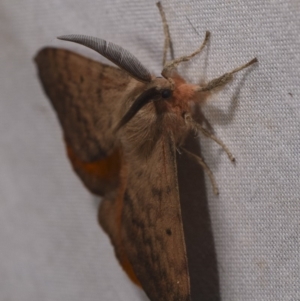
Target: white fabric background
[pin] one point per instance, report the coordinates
(51, 247)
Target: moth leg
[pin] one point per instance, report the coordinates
(197, 127)
(206, 169)
(225, 78)
(210, 135)
(168, 42)
(174, 63)
(190, 122)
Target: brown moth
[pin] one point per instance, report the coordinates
(122, 128)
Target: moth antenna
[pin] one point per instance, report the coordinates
(118, 55)
(174, 63)
(225, 78)
(206, 169)
(195, 125)
(168, 42)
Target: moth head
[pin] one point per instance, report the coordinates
(116, 54)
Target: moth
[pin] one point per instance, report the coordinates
(122, 128)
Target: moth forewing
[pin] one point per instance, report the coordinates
(85, 95)
(152, 226)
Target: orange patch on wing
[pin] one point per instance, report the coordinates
(127, 267)
(104, 169)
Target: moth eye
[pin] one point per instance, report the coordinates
(166, 93)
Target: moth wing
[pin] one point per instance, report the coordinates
(110, 219)
(152, 231)
(85, 95)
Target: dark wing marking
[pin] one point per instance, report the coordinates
(139, 102)
(85, 95)
(152, 230)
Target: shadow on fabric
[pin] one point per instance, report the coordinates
(201, 252)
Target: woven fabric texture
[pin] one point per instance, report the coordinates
(51, 247)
